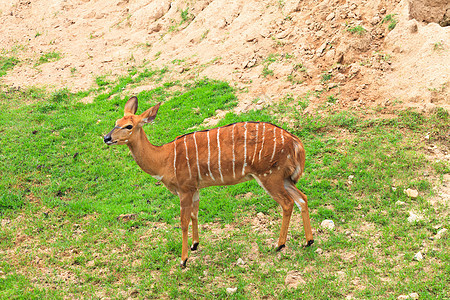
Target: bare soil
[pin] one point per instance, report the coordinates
(270, 49)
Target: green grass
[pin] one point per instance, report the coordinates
(391, 20)
(7, 63)
(62, 191)
(48, 57)
(358, 30)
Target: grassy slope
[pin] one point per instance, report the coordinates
(63, 189)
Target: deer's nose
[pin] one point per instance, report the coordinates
(107, 138)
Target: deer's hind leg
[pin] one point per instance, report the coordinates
(277, 191)
(194, 219)
(301, 201)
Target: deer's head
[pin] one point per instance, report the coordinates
(127, 127)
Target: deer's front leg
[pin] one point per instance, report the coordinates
(186, 212)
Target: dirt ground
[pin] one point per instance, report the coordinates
(270, 49)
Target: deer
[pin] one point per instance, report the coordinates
(220, 156)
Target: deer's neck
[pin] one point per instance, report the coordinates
(147, 156)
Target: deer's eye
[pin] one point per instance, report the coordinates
(128, 127)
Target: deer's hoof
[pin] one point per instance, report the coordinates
(279, 248)
(310, 243)
(194, 246)
(183, 264)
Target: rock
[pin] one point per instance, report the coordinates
(411, 193)
(440, 233)
(340, 274)
(249, 63)
(231, 291)
(179, 69)
(414, 217)
(149, 13)
(319, 251)
(400, 202)
(294, 279)
(375, 20)
(418, 256)
(413, 296)
(240, 262)
(429, 11)
(339, 77)
(321, 49)
(412, 26)
(446, 177)
(330, 16)
(409, 296)
(292, 6)
(328, 224)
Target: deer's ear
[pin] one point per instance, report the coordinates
(131, 106)
(150, 114)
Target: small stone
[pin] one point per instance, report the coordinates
(319, 251)
(328, 224)
(418, 256)
(400, 202)
(440, 233)
(375, 20)
(340, 274)
(394, 188)
(402, 297)
(339, 77)
(411, 193)
(330, 16)
(322, 48)
(446, 177)
(90, 263)
(294, 279)
(350, 177)
(179, 69)
(240, 262)
(414, 217)
(231, 291)
(413, 296)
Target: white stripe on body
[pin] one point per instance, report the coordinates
(274, 143)
(196, 153)
(245, 149)
(218, 154)
(263, 137)
(175, 158)
(209, 158)
(187, 158)
(256, 143)
(234, 155)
